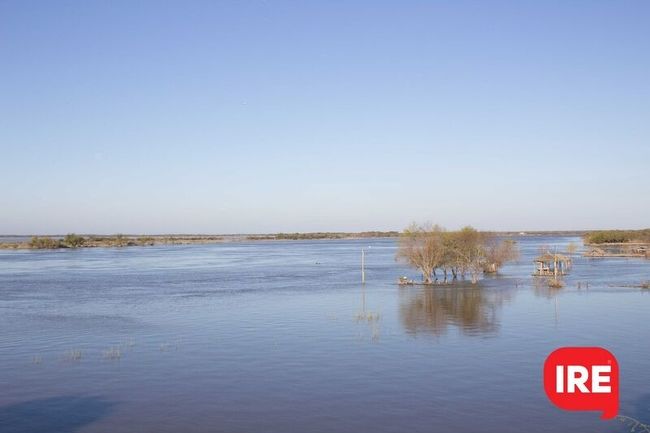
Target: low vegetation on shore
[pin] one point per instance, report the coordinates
(618, 243)
(73, 240)
(432, 249)
(602, 238)
(323, 235)
(617, 236)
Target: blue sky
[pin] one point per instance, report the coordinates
(242, 117)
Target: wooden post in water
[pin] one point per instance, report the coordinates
(363, 266)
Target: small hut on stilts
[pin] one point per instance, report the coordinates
(552, 265)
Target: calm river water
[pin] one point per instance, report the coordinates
(281, 337)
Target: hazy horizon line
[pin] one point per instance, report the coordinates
(527, 231)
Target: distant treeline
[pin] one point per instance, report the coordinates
(617, 236)
(323, 235)
(73, 240)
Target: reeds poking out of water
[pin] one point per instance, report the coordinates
(369, 316)
(116, 352)
(73, 355)
(113, 353)
(372, 319)
(555, 283)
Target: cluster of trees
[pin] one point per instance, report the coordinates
(432, 249)
(617, 236)
(72, 240)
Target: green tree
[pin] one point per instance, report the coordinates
(44, 242)
(72, 240)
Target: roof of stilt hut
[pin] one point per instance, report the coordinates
(550, 257)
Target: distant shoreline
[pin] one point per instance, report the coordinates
(50, 242)
(24, 242)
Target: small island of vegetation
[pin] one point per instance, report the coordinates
(617, 236)
(432, 249)
(618, 243)
(72, 240)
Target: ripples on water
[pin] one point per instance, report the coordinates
(280, 336)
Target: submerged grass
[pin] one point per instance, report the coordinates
(369, 316)
(372, 319)
(73, 355)
(113, 353)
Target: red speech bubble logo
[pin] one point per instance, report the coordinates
(582, 378)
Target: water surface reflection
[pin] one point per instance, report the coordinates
(471, 309)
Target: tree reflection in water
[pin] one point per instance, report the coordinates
(432, 310)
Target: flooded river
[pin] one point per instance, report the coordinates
(282, 337)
